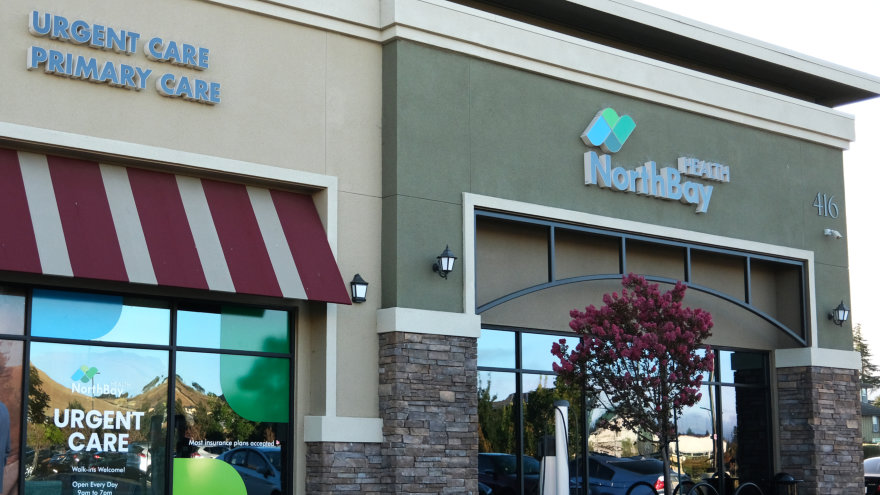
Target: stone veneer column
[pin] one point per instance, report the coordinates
(428, 403)
(820, 429)
(345, 467)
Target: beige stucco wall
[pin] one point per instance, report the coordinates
(293, 97)
(283, 86)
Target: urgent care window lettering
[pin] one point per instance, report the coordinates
(147, 396)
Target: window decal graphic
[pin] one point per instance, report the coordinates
(84, 373)
(201, 476)
(68, 315)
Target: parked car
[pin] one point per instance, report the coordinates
(63, 462)
(498, 472)
(611, 475)
(42, 466)
(208, 452)
(259, 468)
(872, 475)
(139, 460)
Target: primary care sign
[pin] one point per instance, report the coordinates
(608, 131)
(123, 75)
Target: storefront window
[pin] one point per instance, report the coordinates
(497, 349)
(234, 409)
(11, 311)
(243, 329)
(95, 418)
(109, 394)
(497, 408)
(10, 413)
(535, 355)
(103, 318)
(723, 439)
(12, 319)
(516, 409)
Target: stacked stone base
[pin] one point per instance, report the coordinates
(335, 467)
(428, 404)
(820, 429)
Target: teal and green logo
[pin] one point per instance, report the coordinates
(84, 373)
(608, 130)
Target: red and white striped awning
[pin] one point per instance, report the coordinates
(76, 218)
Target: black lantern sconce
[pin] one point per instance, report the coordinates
(358, 289)
(839, 315)
(444, 262)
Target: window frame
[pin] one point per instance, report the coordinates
(719, 384)
(173, 304)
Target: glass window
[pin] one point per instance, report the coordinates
(693, 451)
(104, 414)
(105, 318)
(723, 439)
(11, 311)
(496, 397)
(95, 415)
(536, 351)
(233, 409)
(496, 349)
(10, 411)
(231, 401)
(743, 368)
(245, 329)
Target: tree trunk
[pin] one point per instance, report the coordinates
(664, 450)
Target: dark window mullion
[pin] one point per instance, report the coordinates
(520, 433)
(171, 427)
(747, 280)
(687, 265)
(551, 254)
(25, 396)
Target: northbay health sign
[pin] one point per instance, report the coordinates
(609, 131)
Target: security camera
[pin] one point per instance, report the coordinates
(833, 233)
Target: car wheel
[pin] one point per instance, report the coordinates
(683, 488)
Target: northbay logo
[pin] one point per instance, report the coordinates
(84, 383)
(84, 373)
(609, 131)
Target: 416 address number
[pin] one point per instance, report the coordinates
(826, 205)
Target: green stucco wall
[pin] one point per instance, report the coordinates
(456, 124)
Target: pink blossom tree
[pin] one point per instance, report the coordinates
(639, 354)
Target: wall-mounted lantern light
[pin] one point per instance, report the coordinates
(358, 289)
(444, 262)
(839, 315)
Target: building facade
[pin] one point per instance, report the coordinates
(189, 187)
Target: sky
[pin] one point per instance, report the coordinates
(846, 33)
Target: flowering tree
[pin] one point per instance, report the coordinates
(639, 354)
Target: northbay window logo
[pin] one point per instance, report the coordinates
(609, 131)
